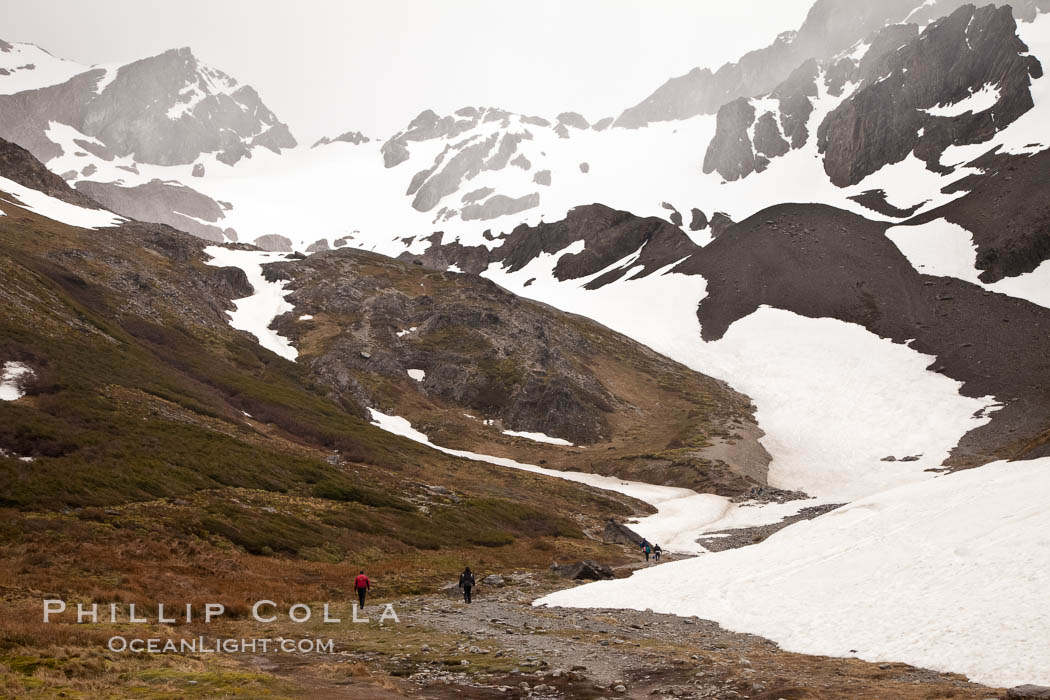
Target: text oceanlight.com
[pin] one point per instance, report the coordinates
(230, 645)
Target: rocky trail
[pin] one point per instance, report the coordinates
(500, 646)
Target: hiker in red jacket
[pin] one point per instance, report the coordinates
(361, 585)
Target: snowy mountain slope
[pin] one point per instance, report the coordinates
(831, 27)
(29, 67)
(167, 109)
(486, 168)
(26, 183)
(819, 263)
(950, 573)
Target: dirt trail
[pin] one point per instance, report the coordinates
(500, 646)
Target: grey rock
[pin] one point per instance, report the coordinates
(275, 243)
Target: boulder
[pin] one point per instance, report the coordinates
(587, 570)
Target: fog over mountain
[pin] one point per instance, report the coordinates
(412, 286)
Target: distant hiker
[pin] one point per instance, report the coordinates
(647, 548)
(657, 552)
(361, 585)
(466, 582)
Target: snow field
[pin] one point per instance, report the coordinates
(949, 573)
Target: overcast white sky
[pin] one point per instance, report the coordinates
(325, 66)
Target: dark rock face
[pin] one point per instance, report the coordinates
(610, 235)
(886, 118)
(876, 201)
(317, 246)
(617, 533)
(1008, 213)
(698, 222)
(163, 203)
(720, 221)
(1028, 692)
(830, 27)
(166, 110)
(676, 216)
(18, 164)
(730, 151)
(587, 570)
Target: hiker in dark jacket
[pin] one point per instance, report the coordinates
(657, 552)
(361, 585)
(646, 547)
(466, 582)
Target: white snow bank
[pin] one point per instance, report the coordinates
(833, 398)
(682, 515)
(417, 374)
(57, 209)
(945, 249)
(10, 386)
(977, 101)
(949, 574)
(538, 437)
(254, 314)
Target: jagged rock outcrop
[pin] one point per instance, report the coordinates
(166, 110)
(920, 104)
(355, 138)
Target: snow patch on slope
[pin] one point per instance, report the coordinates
(946, 249)
(952, 575)
(254, 314)
(56, 209)
(978, 101)
(538, 437)
(11, 380)
(682, 515)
